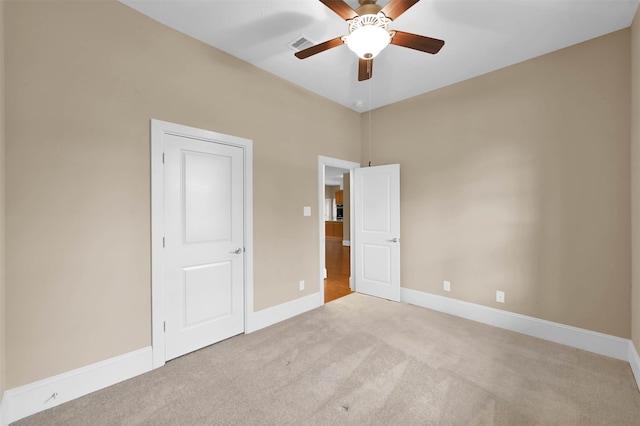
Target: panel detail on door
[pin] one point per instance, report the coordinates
(207, 292)
(376, 191)
(375, 270)
(207, 216)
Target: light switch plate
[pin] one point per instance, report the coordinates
(306, 210)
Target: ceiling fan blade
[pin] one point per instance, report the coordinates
(365, 69)
(310, 51)
(417, 42)
(341, 8)
(395, 8)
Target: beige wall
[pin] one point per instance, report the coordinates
(83, 80)
(635, 177)
(2, 210)
(330, 191)
(519, 180)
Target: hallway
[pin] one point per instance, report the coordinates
(337, 259)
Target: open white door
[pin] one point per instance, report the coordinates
(377, 231)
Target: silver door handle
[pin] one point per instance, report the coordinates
(236, 251)
(395, 240)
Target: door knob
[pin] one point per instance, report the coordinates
(395, 240)
(236, 251)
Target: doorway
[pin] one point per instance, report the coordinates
(335, 199)
(337, 233)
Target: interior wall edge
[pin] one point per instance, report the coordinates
(635, 185)
(634, 361)
(2, 210)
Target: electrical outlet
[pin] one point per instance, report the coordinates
(301, 285)
(447, 286)
(500, 296)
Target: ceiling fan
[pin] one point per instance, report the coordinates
(368, 33)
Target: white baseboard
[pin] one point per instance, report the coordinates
(35, 397)
(270, 316)
(634, 361)
(32, 398)
(603, 344)
(29, 399)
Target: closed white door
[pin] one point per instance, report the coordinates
(377, 231)
(204, 243)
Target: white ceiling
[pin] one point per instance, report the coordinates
(480, 36)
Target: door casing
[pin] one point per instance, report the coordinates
(158, 130)
(342, 164)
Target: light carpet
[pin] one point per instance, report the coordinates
(366, 361)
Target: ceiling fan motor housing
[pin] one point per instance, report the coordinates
(368, 9)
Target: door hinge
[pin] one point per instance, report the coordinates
(163, 158)
(164, 326)
(162, 242)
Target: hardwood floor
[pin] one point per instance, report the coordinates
(337, 260)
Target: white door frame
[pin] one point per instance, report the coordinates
(158, 130)
(342, 164)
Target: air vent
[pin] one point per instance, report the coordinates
(300, 43)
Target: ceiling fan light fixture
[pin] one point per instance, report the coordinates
(368, 35)
(369, 32)
(368, 41)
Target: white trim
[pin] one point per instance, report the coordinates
(4, 412)
(29, 399)
(157, 252)
(284, 311)
(634, 361)
(603, 344)
(343, 164)
(158, 130)
(346, 243)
